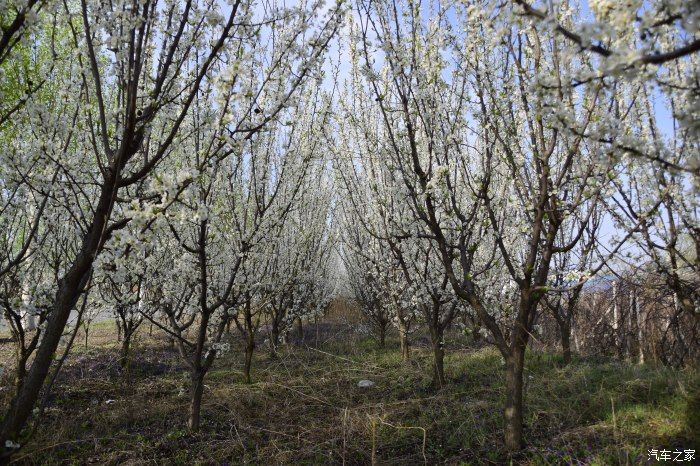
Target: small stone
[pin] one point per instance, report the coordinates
(365, 384)
(109, 402)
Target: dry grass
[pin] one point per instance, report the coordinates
(305, 408)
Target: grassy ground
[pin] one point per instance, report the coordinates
(305, 408)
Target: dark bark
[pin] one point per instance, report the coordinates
(438, 317)
(405, 344)
(248, 329)
(318, 332)
(119, 329)
(566, 343)
(124, 350)
(199, 367)
(20, 373)
(439, 361)
(249, 348)
(300, 329)
(513, 413)
(514, 357)
(196, 391)
(564, 324)
(274, 338)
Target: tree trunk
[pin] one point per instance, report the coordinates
(249, 348)
(382, 335)
(566, 345)
(565, 332)
(640, 328)
(439, 356)
(616, 322)
(124, 350)
(513, 414)
(21, 371)
(300, 330)
(318, 331)
(476, 333)
(274, 340)
(70, 288)
(119, 330)
(403, 337)
(28, 319)
(196, 391)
